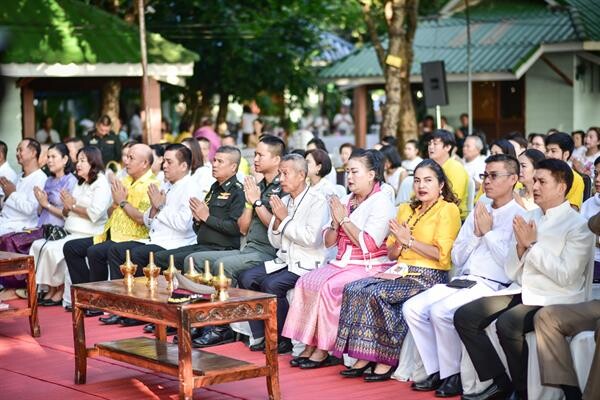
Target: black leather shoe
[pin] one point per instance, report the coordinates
(356, 372)
(112, 319)
(451, 386)
(258, 346)
(68, 309)
(216, 336)
(194, 332)
(284, 346)
(93, 313)
(295, 362)
(374, 377)
(130, 322)
(326, 362)
(491, 392)
(149, 328)
(432, 382)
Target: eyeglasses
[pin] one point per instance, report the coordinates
(493, 176)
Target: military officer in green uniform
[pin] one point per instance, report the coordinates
(106, 140)
(215, 218)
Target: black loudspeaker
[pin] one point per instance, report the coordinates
(434, 83)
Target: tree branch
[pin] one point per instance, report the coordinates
(371, 28)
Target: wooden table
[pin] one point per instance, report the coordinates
(194, 368)
(17, 264)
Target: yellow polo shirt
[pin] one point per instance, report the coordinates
(122, 226)
(575, 195)
(459, 179)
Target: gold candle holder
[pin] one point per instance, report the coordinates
(207, 277)
(222, 283)
(151, 272)
(192, 273)
(128, 270)
(169, 273)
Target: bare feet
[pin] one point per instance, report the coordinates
(318, 355)
(359, 364)
(382, 368)
(308, 350)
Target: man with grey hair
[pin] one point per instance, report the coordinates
(295, 231)
(473, 161)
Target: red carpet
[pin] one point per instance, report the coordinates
(43, 368)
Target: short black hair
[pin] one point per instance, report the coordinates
(391, 140)
(64, 152)
(3, 150)
(344, 145)
(94, 158)
(578, 132)
(35, 146)
(159, 149)
(237, 154)
(517, 137)
(275, 143)
(321, 158)
(446, 137)
(534, 135)
(319, 143)
(373, 160)
(506, 146)
(534, 155)
(390, 153)
(104, 120)
(74, 140)
(510, 163)
(596, 161)
(300, 152)
(182, 153)
(563, 140)
(559, 169)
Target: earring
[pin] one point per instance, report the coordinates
(441, 191)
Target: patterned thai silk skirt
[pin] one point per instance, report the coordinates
(371, 325)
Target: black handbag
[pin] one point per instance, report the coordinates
(53, 232)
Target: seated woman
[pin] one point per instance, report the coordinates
(85, 211)
(528, 161)
(49, 211)
(372, 327)
(359, 226)
(319, 166)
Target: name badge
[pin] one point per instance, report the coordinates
(93, 141)
(224, 196)
(110, 142)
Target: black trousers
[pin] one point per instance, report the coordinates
(162, 257)
(514, 320)
(76, 251)
(277, 283)
(140, 255)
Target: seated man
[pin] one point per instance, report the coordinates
(548, 259)
(295, 230)
(560, 146)
(215, 220)
(254, 220)
(553, 324)
(126, 223)
(479, 254)
(169, 220)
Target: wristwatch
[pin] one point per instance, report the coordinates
(123, 204)
(257, 203)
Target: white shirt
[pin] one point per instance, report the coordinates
(20, 209)
(589, 208)
(298, 238)
(96, 198)
(555, 269)
(42, 136)
(247, 122)
(7, 172)
(410, 165)
(587, 161)
(485, 256)
(202, 181)
(475, 167)
(325, 187)
(343, 123)
(172, 227)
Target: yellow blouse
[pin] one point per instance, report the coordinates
(122, 226)
(439, 227)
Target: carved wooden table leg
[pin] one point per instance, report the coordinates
(160, 331)
(79, 345)
(186, 374)
(271, 351)
(34, 324)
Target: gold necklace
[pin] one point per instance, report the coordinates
(412, 227)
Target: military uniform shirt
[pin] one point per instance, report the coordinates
(257, 233)
(109, 145)
(225, 205)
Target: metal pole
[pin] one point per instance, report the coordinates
(438, 117)
(469, 77)
(147, 135)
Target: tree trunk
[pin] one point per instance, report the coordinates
(111, 92)
(223, 107)
(408, 119)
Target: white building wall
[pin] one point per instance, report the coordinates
(586, 96)
(457, 103)
(548, 98)
(10, 120)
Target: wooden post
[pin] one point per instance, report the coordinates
(28, 112)
(153, 111)
(360, 116)
(147, 135)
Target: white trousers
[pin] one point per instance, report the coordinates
(430, 318)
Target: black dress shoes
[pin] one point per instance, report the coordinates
(93, 313)
(112, 319)
(49, 303)
(130, 322)
(150, 328)
(213, 337)
(451, 386)
(284, 346)
(258, 346)
(432, 382)
(494, 391)
(326, 362)
(374, 377)
(356, 372)
(194, 333)
(295, 362)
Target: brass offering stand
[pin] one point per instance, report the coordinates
(221, 283)
(151, 272)
(128, 270)
(169, 273)
(192, 274)
(207, 277)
